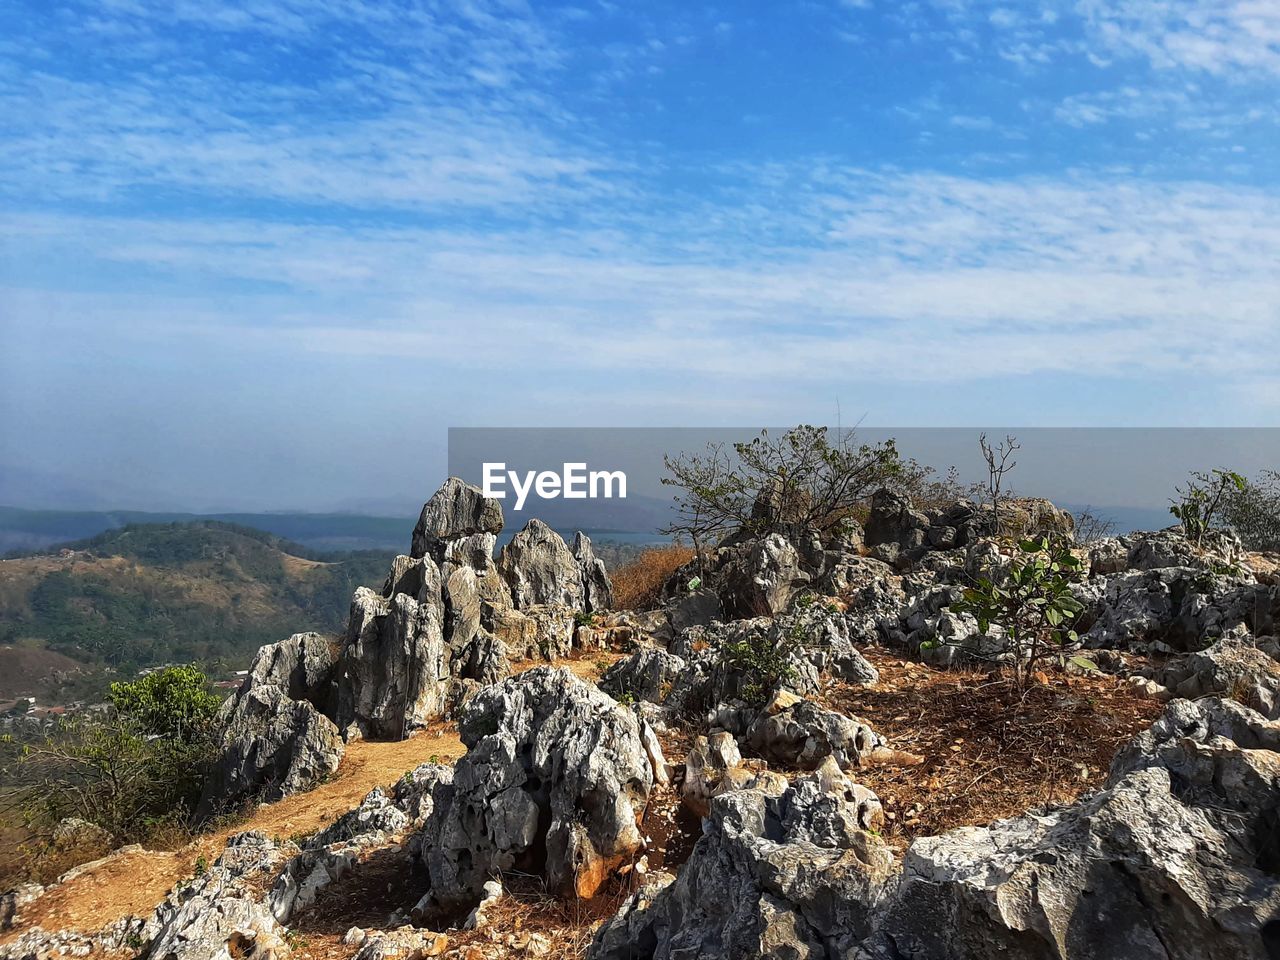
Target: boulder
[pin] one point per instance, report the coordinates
(272, 746)
(794, 874)
(801, 735)
(456, 520)
(892, 519)
(1234, 667)
(554, 782)
(335, 851)
(302, 666)
(714, 767)
(648, 674)
(759, 578)
(539, 569)
(1174, 858)
(597, 590)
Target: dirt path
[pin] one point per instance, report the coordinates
(132, 884)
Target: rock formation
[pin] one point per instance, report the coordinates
(554, 782)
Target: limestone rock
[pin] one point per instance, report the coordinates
(802, 735)
(647, 674)
(1174, 858)
(1233, 666)
(392, 677)
(217, 916)
(791, 875)
(597, 590)
(539, 569)
(455, 512)
(272, 746)
(760, 577)
(553, 783)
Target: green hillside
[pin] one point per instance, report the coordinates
(153, 593)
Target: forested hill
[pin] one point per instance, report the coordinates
(154, 593)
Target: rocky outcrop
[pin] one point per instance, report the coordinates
(218, 915)
(760, 577)
(271, 746)
(1174, 858)
(648, 674)
(801, 735)
(335, 851)
(1172, 609)
(456, 523)
(597, 590)
(553, 783)
(392, 678)
(788, 874)
(900, 534)
(539, 569)
(1235, 666)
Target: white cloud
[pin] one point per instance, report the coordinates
(914, 278)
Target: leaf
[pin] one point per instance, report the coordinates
(1084, 663)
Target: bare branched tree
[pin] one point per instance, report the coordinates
(801, 479)
(1000, 461)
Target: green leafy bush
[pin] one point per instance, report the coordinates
(1032, 603)
(135, 770)
(1199, 502)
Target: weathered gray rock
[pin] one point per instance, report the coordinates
(801, 735)
(272, 746)
(647, 674)
(302, 666)
(893, 519)
(1174, 859)
(333, 853)
(539, 569)
(553, 783)
(392, 677)
(218, 915)
(1233, 667)
(597, 589)
(1172, 609)
(793, 875)
(760, 577)
(455, 512)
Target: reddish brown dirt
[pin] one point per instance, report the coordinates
(987, 754)
(134, 883)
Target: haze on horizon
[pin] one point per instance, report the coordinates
(261, 254)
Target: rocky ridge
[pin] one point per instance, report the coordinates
(1172, 857)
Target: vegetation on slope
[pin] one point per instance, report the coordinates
(156, 593)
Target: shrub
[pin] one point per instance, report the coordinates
(1200, 501)
(638, 584)
(762, 666)
(1033, 604)
(135, 770)
(1253, 511)
(801, 479)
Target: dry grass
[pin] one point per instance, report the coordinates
(636, 585)
(987, 754)
(134, 883)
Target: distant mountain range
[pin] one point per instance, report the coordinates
(635, 519)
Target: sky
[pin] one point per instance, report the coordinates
(262, 254)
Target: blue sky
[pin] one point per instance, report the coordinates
(263, 253)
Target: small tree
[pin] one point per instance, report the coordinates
(1091, 527)
(135, 768)
(1199, 502)
(801, 479)
(999, 462)
(1032, 603)
(1253, 512)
